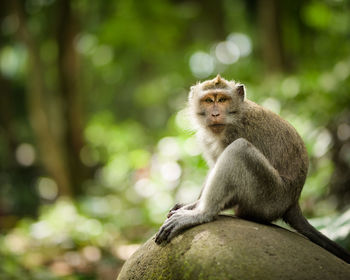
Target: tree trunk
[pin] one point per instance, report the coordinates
(340, 180)
(68, 70)
(52, 154)
(270, 35)
(6, 117)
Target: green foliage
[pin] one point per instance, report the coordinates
(335, 227)
(137, 62)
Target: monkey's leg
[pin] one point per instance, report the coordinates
(241, 176)
(244, 177)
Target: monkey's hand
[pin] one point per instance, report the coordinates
(178, 206)
(179, 221)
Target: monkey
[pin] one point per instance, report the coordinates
(257, 161)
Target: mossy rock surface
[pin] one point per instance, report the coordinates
(232, 248)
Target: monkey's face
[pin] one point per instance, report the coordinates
(215, 103)
(216, 109)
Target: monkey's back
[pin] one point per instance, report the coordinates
(276, 139)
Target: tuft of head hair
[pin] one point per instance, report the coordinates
(216, 83)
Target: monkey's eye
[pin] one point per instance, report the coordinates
(208, 100)
(222, 99)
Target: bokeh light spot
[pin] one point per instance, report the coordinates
(47, 188)
(201, 64)
(243, 43)
(25, 154)
(227, 52)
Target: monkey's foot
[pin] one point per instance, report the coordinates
(178, 221)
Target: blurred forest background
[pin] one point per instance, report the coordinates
(94, 145)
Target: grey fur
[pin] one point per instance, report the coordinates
(258, 164)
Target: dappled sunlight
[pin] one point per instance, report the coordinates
(191, 147)
(188, 192)
(343, 131)
(290, 87)
(125, 251)
(227, 52)
(169, 148)
(170, 171)
(243, 43)
(12, 61)
(323, 142)
(336, 229)
(144, 187)
(202, 64)
(273, 104)
(25, 154)
(47, 188)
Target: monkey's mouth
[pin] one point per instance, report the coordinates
(217, 127)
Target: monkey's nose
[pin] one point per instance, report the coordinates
(215, 114)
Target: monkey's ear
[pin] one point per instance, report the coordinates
(240, 89)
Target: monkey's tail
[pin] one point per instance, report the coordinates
(295, 219)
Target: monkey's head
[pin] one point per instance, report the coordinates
(215, 103)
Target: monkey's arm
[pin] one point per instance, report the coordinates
(181, 217)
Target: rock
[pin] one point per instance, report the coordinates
(232, 248)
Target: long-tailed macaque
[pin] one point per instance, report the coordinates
(258, 164)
